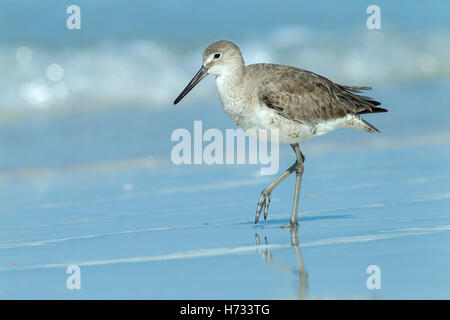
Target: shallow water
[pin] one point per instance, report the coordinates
(138, 226)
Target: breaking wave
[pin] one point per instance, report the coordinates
(150, 74)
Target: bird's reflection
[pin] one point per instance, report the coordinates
(298, 270)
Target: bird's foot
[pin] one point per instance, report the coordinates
(263, 202)
(291, 225)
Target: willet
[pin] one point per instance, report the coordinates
(298, 103)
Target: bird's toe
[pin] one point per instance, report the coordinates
(263, 203)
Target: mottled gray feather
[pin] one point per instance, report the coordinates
(306, 97)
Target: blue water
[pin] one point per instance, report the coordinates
(86, 176)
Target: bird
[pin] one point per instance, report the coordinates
(300, 104)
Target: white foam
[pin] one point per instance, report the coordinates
(151, 74)
(204, 253)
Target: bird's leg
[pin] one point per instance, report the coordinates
(267, 255)
(301, 266)
(298, 182)
(264, 199)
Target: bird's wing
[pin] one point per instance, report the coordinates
(306, 97)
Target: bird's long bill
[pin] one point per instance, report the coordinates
(197, 78)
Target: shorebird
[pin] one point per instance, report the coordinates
(298, 103)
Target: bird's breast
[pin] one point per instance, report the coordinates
(247, 112)
(234, 102)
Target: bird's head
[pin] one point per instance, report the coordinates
(219, 58)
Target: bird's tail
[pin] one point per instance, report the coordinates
(362, 124)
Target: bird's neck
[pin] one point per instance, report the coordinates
(229, 87)
(232, 73)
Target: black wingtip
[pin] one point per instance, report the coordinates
(376, 109)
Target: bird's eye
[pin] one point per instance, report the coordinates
(217, 56)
